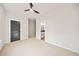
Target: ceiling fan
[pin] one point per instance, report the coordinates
(31, 6)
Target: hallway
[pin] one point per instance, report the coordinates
(34, 47)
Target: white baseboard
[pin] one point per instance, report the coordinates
(75, 51)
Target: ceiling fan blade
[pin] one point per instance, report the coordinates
(31, 5)
(27, 10)
(36, 11)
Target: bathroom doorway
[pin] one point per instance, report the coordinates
(43, 23)
(42, 32)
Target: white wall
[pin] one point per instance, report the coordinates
(38, 28)
(31, 27)
(62, 24)
(23, 25)
(2, 25)
(62, 27)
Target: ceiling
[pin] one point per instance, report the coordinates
(20, 7)
(15, 7)
(43, 8)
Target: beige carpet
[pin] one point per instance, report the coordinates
(33, 47)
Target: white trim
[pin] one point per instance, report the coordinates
(75, 51)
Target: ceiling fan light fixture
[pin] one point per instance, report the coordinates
(31, 5)
(31, 10)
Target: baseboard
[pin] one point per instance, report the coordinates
(75, 51)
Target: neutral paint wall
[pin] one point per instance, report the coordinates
(23, 25)
(2, 25)
(62, 26)
(38, 28)
(31, 27)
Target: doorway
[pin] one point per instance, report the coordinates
(31, 28)
(15, 30)
(42, 32)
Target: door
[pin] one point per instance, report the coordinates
(15, 30)
(31, 28)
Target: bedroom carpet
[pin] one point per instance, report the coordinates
(34, 47)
